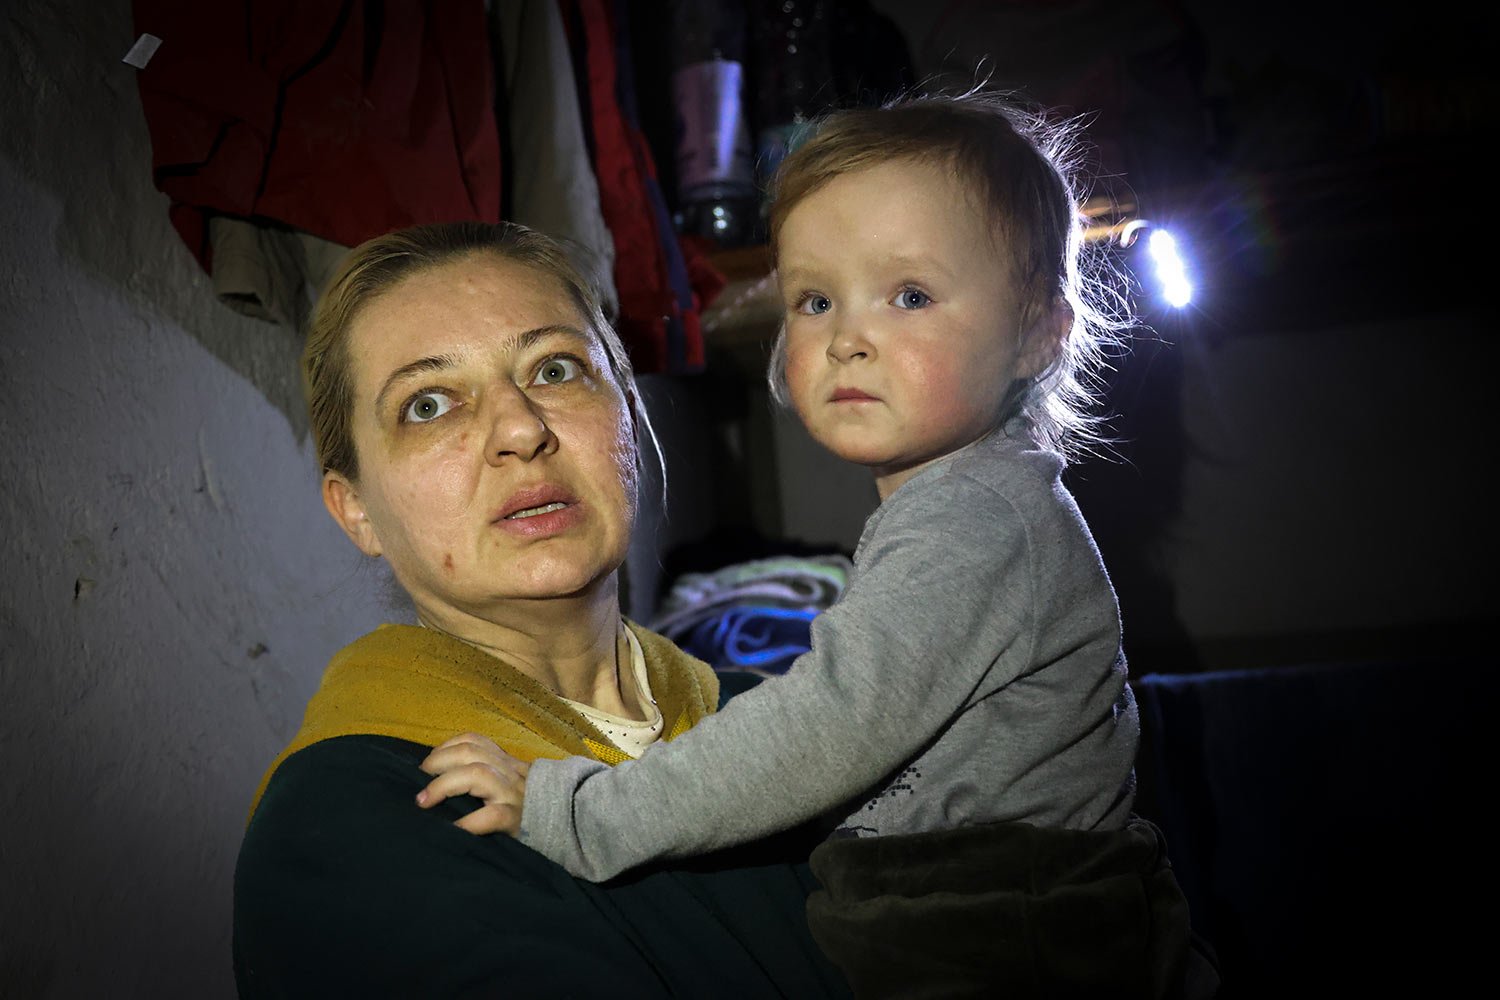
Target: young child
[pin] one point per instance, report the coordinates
(964, 705)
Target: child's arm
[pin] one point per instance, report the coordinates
(942, 600)
(470, 764)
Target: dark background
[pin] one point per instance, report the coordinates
(1323, 167)
(1296, 509)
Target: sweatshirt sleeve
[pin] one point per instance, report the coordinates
(941, 600)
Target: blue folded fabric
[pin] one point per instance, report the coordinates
(763, 640)
(779, 581)
(752, 616)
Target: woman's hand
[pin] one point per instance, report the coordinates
(470, 764)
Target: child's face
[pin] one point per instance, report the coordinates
(902, 319)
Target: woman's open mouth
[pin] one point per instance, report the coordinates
(538, 511)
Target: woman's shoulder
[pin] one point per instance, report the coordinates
(344, 885)
(389, 639)
(342, 776)
(341, 875)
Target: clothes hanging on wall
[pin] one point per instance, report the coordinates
(270, 272)
(344, 120)
(550, 181)
(663, 282)
(321, 125)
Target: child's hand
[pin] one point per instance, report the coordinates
(470, 764)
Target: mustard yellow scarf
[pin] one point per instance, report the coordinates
(425, 686)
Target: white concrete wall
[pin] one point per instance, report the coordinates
(172, 586)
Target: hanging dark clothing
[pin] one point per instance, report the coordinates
(343, 120)
(663, 282)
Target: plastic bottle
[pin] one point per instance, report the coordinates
(716, 193)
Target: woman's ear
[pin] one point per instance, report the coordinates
(1043, 340)
(341, 497)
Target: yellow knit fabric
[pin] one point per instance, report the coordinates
(417, 684)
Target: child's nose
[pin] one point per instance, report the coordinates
(850, 341)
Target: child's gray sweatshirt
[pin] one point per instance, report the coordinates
(971, 672)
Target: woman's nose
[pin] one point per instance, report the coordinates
(850, 341)
(517, 428)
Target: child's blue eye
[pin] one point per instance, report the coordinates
(911, 298)
(425, 406)
(813, 305)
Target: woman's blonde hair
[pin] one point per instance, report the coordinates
(379, 264)
(1023, 166)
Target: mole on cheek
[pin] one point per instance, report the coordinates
(448, 561)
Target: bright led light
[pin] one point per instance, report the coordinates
(1170, 272)
(1178, 292)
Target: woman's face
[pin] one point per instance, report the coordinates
(496, 450)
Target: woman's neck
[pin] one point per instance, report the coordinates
(572, 646)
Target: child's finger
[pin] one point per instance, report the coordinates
(492, 819)
(479, 780)
(448, 757)
(458, 752)
(469, 739)
(452, 753)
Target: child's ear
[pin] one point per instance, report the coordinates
(341, 497)
(1043, 340)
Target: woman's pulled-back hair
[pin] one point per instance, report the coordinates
(1022, 166)
(378, 265)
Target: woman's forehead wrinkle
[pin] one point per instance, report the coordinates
(527, 338)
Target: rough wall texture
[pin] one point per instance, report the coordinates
(172, 587)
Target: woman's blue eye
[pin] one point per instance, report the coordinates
(427, 406)
(813, 305)
(911, 298)
(555, 371)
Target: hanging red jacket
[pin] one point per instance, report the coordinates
(663, 283)
(345, 120)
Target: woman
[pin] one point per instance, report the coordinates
(478, 428)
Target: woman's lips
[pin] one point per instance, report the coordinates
(532, 497)
(539, 511)
(852, 396)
